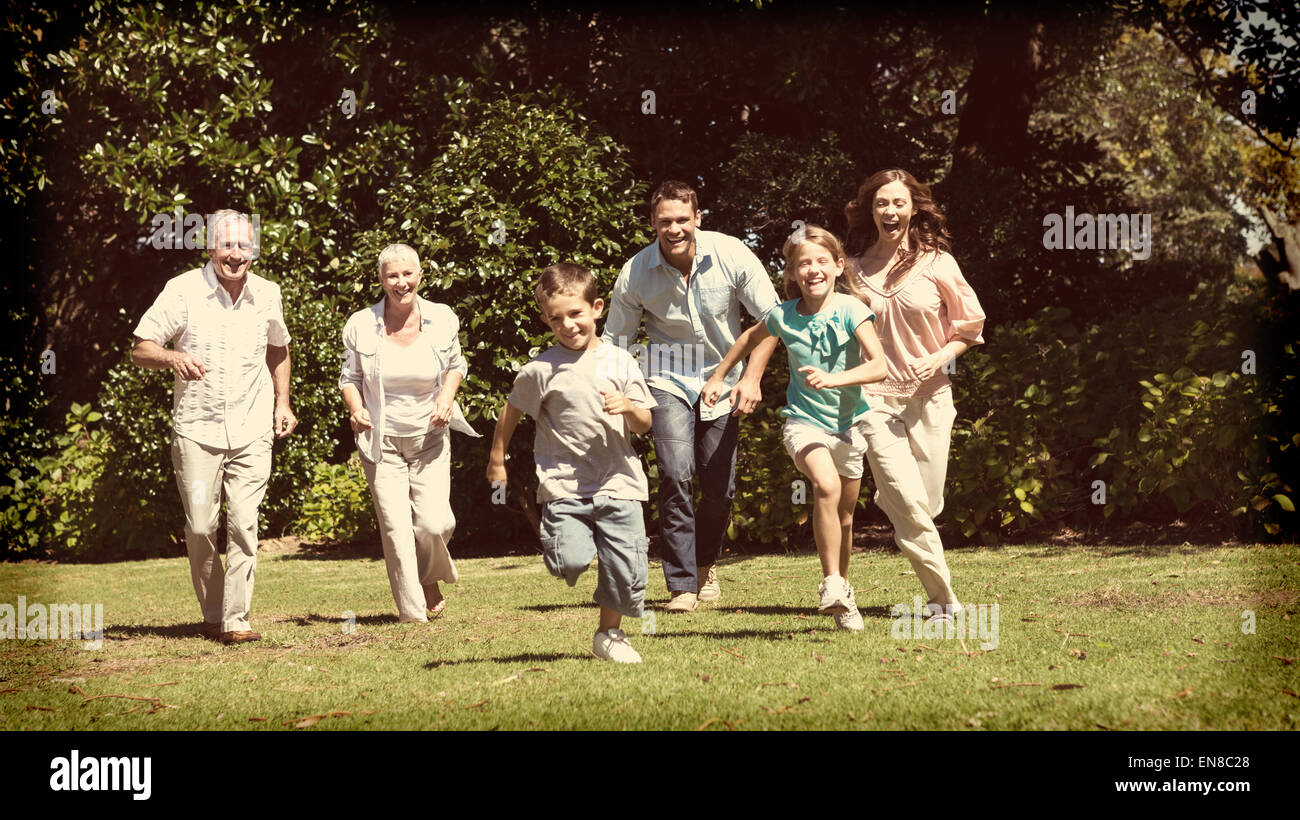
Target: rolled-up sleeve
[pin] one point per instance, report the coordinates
(962, 315)
(624, 318)
(450, 345)
(164, 319)
(351, 371)
(277, 332)
(755, 286)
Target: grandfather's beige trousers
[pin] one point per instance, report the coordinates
(202, 474)
(907, 448)
(411, 488)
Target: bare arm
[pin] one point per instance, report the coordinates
(153, 356)
(926, 367)
(872, 370)
(747, 393)
(747, 342)
(446, 399)
(505, 430)
(277, 358)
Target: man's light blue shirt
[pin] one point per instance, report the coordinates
(691, 321)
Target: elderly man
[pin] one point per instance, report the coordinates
(690, 285)
(231, 351)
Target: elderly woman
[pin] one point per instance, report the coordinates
(401, 369)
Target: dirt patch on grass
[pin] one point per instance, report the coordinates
(1115, 596)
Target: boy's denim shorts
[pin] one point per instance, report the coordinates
(612, 530)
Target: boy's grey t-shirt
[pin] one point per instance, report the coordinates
(581, 450)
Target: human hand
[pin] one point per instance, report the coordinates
(926, 366)
(188, 366)
(442, 413)
(285, 422)
(496, 471)
(360, 421)
(712, 391)
(745, 397)
(616, 403)
(818, 379)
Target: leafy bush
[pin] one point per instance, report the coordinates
(48, 502)
(339, 507)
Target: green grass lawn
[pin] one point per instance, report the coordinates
(1088, 638)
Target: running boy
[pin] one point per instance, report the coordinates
(586, 397)
(825, 332)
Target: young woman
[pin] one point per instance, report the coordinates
(926, 315)
(825, 332)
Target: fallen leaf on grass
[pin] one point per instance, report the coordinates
(340, 713)
(1079, 653)
(76, 690)
(1060, 686)
(704, 677)
(1004, 685)
(1198, 640)
(10, 691)
(1285, 661)
(308, 721)
(477, 705)
(257, 720)
(732, 653)
(889, 660)
(168, 683)
(706, 724)
(34, 707)
(819, 658)
(1192, 655)
(1289, 692)
(1182, 694)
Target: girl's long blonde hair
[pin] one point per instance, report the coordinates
(846, 282)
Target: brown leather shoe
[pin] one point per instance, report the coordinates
(240, 637)
(211, 631)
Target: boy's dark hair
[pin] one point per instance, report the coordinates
(673, 189)
(565, 277)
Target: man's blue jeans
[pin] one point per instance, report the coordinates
(685, 445)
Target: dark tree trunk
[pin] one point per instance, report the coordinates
(994, 127)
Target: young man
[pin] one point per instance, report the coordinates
(689, 284)
(587, 398)
(231, 360)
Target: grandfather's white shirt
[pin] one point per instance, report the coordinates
(691, 321)
(233, 404)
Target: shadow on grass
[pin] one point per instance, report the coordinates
(767, 634)
(372, 620)
(527, 657)
(122, 633)
(334, 551)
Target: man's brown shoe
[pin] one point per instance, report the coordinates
(240, 637)
(211, 631)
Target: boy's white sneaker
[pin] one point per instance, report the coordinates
(835, 594)
(852, 619)
(612, 645)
